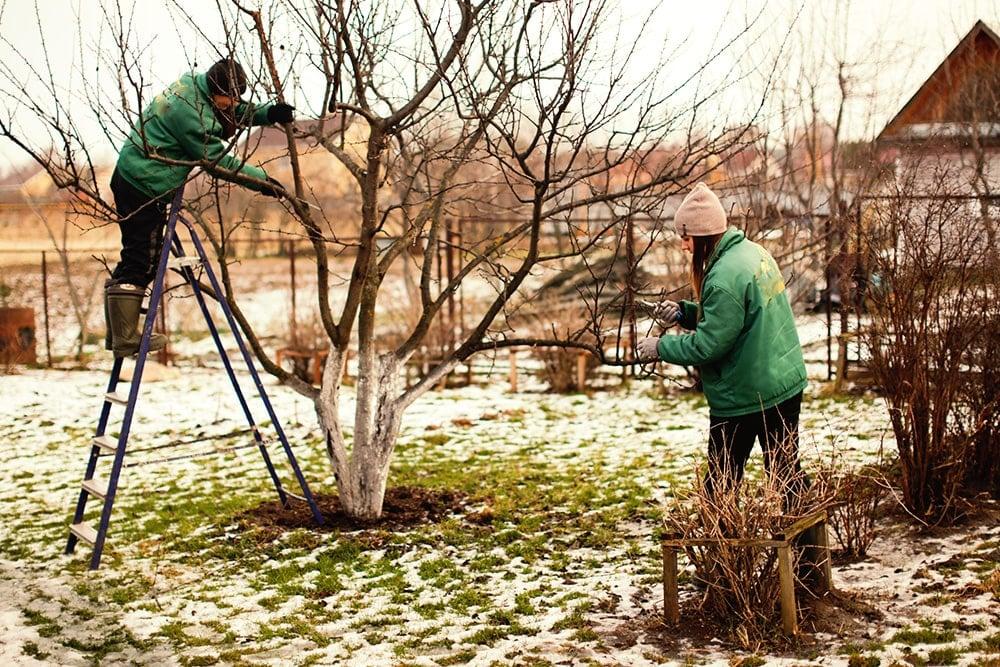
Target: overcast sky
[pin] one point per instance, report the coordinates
(908, 38)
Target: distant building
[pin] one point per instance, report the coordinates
(945, 141)
(29, 200)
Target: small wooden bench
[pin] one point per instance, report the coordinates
(815, 539)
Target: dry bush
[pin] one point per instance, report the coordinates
(559, 367)
(927, 333)
(580, 303)
(305, 334)
(857, 497)
(741, 584)
(980, 401)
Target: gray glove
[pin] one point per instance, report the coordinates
(668, 312)
(645, 350)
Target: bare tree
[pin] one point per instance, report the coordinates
(524, 112)
(82, 297)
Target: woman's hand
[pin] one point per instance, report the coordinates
(668, 312)
(645, 350)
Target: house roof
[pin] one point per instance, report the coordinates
(976, 53)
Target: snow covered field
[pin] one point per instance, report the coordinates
(564, 570)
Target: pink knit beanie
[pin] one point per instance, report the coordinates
(700, 214)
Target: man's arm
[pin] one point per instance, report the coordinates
(714, 335)
(200, 144)
(248, 113)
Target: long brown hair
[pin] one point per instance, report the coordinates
(703, 248)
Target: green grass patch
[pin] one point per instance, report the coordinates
(914, 636)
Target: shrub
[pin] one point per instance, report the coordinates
(559, 367)
(857, 496)
(927, 340)
(742, 587)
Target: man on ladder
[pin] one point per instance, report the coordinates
(185, 126)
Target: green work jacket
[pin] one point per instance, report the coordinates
(180, 124)
(744, 341)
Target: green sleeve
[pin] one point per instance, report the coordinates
(689, 315)
(714, 336)
(200, 144)
(253, 114)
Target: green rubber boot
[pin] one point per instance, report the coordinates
(123, 304)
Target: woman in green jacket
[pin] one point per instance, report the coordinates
(743, 341)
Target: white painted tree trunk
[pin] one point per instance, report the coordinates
(361, 471)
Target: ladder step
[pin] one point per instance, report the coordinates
(107, 443)
(180, 262)
(96, 488)
(84, 532)
(115, 397)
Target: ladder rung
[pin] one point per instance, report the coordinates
(115, 397)
(107, 443)
(180, 262)
(84, 532)
(96, 488)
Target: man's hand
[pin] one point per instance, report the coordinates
(280, 113)
(273, 188)
(645, 350)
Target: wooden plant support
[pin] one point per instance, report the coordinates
(316, 360)
(581, 370)
(513, 371)
(814, 539)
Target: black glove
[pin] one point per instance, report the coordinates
(280, 113)
(273, 188)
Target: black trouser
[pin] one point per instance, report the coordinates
(141, 219)
(731, 440)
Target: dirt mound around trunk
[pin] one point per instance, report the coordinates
(404, 507)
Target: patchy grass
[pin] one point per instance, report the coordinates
(556, 549)
(925, 635)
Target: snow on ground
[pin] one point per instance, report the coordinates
(573, 484)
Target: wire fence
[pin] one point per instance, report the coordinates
(64, 286)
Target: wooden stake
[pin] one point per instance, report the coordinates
(581, 370)
(671, 606)
(513, 370)
(789, 621)
(823, 549)
(45, 306)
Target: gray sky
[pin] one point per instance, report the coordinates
(906, 38)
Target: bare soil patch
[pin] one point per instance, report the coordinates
(404, 508)
(837, 612)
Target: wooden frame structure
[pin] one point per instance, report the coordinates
(812, 531)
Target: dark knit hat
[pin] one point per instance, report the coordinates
(227, 77)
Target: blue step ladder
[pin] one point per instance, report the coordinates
(107, 446)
